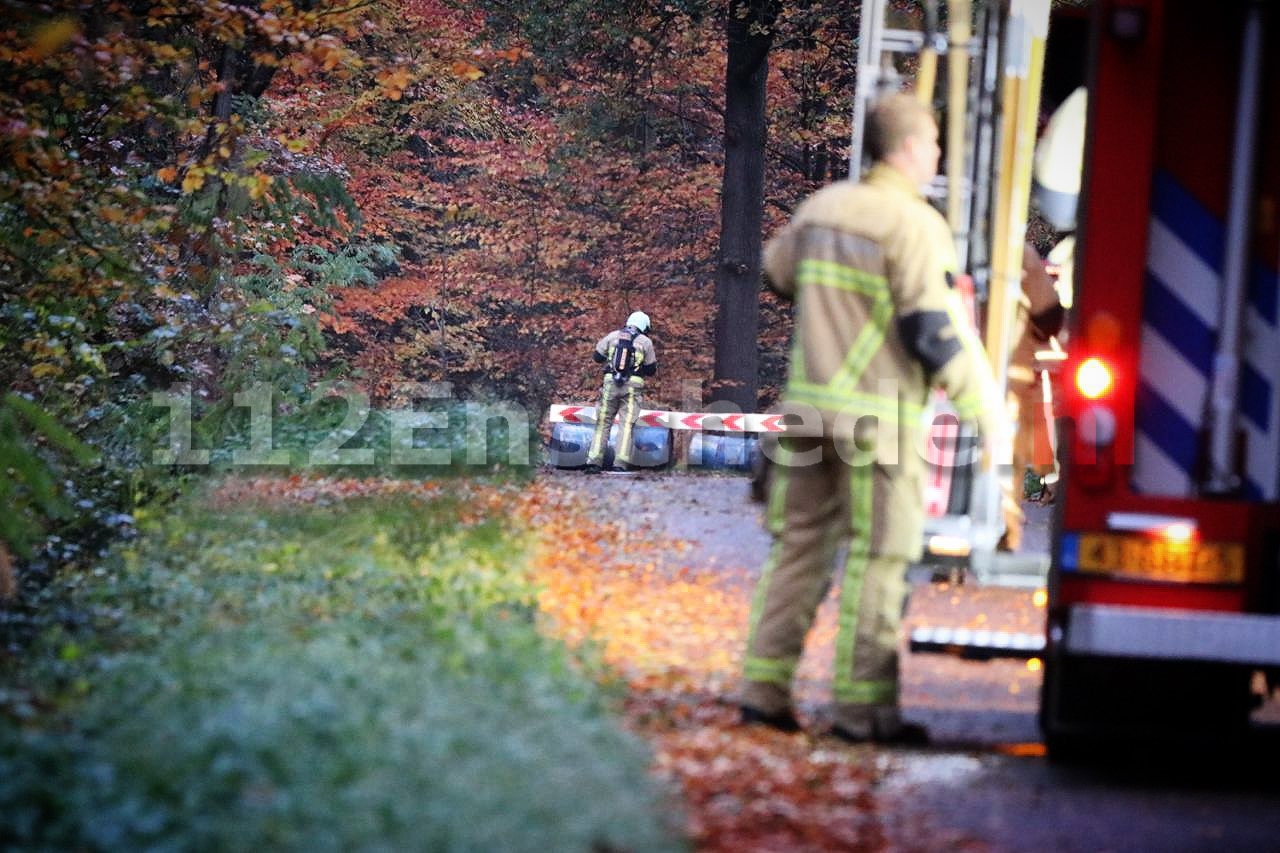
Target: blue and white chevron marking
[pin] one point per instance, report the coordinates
(1179, 331)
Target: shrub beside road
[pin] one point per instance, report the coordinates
(326, 670)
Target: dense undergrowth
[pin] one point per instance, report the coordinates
(345, 674)
(213, 211)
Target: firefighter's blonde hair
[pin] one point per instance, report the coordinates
(893, 119)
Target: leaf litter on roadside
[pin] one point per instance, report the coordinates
(674, 632)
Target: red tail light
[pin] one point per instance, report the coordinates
(1095, 425)
(1093, 378)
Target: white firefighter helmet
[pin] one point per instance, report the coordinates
(1059, 157)
(638, 321)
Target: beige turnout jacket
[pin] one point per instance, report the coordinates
(877, 324)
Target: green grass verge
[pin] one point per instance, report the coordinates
(360, 676)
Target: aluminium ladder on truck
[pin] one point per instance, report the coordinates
(995, 54)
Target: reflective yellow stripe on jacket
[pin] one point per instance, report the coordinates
(841, 391)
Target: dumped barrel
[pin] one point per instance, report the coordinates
(733, 452)
(570, 442)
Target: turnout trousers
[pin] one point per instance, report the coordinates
(615, 399)
(811, 510)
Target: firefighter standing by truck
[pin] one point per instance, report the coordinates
(1042, 309)
(868, 267)
(1040, 317)
(628, 357)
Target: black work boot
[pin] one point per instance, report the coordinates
(906, 734)
(783, 721)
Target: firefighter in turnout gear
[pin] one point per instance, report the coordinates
(1040, 317)
(877, 327)
(628, 357)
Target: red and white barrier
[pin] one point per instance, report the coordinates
(940, 456)
(678, 420)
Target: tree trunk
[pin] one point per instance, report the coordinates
(239, 75)
(749, 33)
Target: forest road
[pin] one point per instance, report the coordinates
(985, 778)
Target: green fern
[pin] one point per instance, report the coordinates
(28, 474)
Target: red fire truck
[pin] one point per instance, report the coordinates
(1164, 581)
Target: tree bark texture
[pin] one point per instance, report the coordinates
(750, 34)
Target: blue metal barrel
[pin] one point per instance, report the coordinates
(570, 442)
(733, 452)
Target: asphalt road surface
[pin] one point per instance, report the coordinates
(985, 776)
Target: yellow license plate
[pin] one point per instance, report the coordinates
(1160, 560)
